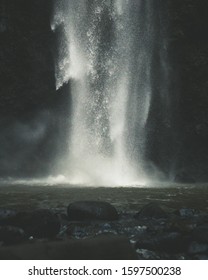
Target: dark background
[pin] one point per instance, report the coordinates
(34, 117)
(179, 136)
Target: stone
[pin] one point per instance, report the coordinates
(91, 210)
(44, 224)
(184, 226)
(144, 254)
(41, 223)
(185, 212)
(11, 235)
(151, 210)
(6, 213)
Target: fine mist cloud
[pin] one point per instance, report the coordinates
(22, 144)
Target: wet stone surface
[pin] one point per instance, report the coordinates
(11, 235)
(40, 223)
(91, 210)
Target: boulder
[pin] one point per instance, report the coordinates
(6, 215)
(151, 210)
(91, 210)
(39, 223)
(185, 212)
(11, 235)
(144, 254)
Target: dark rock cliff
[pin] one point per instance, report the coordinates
(189, 53)
(177, 143)
(31, 111)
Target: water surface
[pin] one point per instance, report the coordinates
(57, 197)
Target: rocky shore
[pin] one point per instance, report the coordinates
(97, 230)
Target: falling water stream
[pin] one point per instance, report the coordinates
(107, 58)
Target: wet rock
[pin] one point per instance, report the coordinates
(6, 215)
(107, 229)
(185, 212)
(11, 235)
(144, 254)
(44, 224)
(40, 223)
(151, 210)
(80, 230)
(91, 210)
(181, 225)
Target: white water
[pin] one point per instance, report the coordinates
(106, 53)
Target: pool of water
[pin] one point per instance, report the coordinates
(127, 199)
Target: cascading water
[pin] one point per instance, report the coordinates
(108, 62)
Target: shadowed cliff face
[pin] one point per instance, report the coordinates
(178, 146)
(189, 50)
(31, 111)
(26, 60)
(34, 117)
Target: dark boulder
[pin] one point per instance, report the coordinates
(40, 223)
(151, 210)
(43, 224)
(91, 210)
(182, 225)
(185, 212)
(144, 254)
(6, 215)
(11, 235)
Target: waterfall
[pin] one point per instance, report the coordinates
(107, 57)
